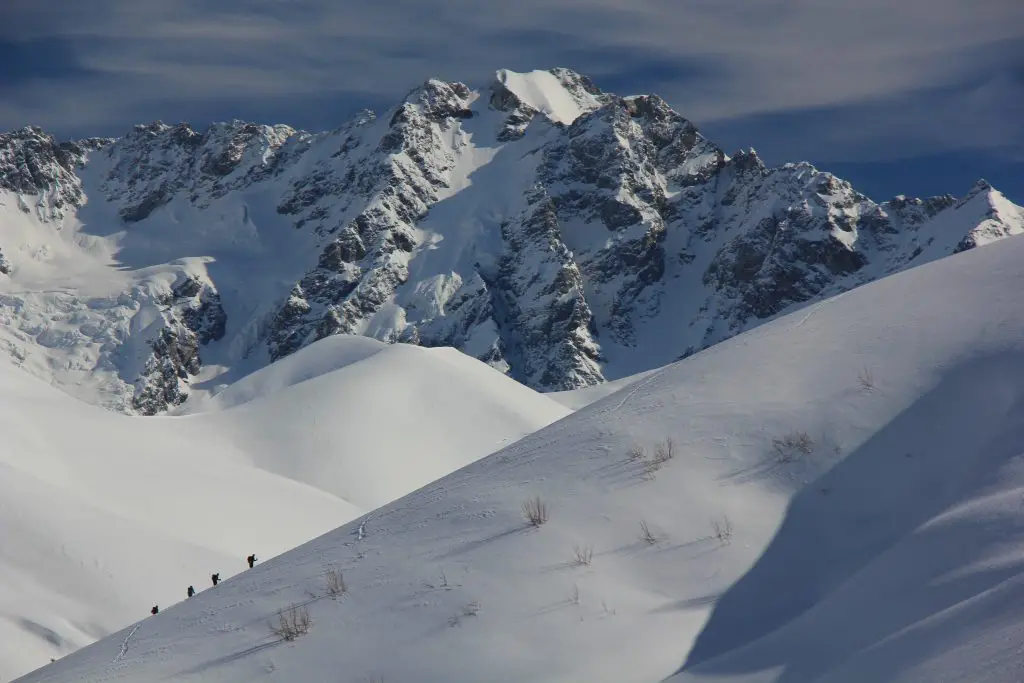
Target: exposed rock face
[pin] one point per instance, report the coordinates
(156, 162)
(559, 233)
(193, 317)
(33, 164)
(367, 256)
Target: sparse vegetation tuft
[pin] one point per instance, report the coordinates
(646, 535)
(583, 554)
(335, 581)
(722, 530)
(664, 451)
(291, 623)
(470, 609)
(536, 511)
(635, 453)
(793, 445)
(866, 379)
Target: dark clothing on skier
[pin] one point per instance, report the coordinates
(215, 578)
(154, 610)
(191, 591)
(251, 560)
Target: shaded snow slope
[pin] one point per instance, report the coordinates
(375, 420)
(103, 515)
(561, 234)
(884, 545)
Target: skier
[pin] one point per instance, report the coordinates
(191, 591)
(154, 610)
(251, 560)
(215, 578)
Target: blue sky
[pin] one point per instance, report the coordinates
(916, 97)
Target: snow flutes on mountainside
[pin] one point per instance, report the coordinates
(562, 234)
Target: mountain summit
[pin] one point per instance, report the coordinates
(562, 234)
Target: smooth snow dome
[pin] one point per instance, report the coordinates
(104, 515)
(377, 420)
(544, 92)
(843, 505)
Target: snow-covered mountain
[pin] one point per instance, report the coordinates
(104, 515)
(843, 505)
(562, 234)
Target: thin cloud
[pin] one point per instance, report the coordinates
(715, 60)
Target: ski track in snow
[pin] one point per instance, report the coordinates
(637, 387)
(124, 645)
(814, 307)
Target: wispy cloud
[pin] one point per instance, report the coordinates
(914, 73)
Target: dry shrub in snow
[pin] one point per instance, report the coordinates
(291, 623)
(536, 511)
(646, 535)
(470, 609)
(335, 581)
(722, 529)
(583, 554)
(866, 379)
(664, 451)
(793, 445)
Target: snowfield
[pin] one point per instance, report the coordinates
(843, 505)
(104, 515)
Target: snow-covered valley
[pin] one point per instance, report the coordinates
(559, 389)
(842, 504)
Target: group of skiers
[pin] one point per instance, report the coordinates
(214, 578)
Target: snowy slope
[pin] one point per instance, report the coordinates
(103, 515)
(890, 550)
(373, 421)
(563, 235)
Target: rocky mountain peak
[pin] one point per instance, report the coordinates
(437, 100)
(562, 234)
(33, 163)
(156, 161)
(980, 187)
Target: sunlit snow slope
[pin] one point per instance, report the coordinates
(104, 515)
(889, 551)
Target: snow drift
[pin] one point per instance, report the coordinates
(843, 504)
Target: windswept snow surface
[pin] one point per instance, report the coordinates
(104, 515)
(890, 551)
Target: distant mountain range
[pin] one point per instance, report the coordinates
(562, 234)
